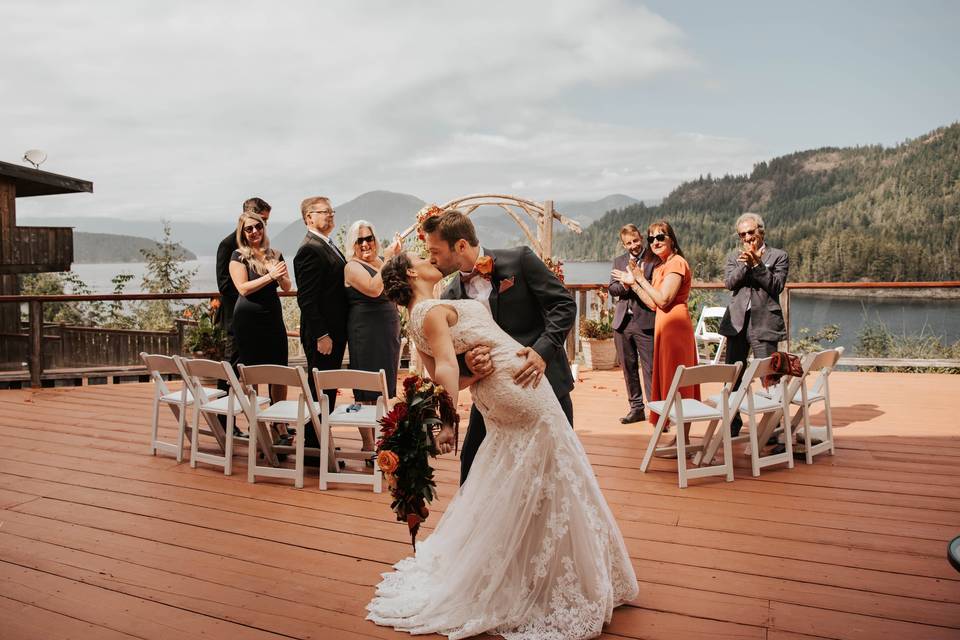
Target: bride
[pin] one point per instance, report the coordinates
(528, 548)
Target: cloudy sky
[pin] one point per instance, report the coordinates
(183, 109)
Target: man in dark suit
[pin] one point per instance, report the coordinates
(633, 326)
(318, 268)
(228, 292)
(756, 274)
(524, 297)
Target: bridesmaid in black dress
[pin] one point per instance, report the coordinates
(373, 322)
(257, 272)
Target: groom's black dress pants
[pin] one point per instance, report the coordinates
(477, 431)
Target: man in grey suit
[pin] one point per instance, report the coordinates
(633, 326)
(756, 274)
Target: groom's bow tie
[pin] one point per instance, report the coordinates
(482, 268)
(467, 278)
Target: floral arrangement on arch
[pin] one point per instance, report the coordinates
(556, 267)
(429, 211)
(407, 443)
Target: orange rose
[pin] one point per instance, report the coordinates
(388, 461)
(188, 314)
(484, 265)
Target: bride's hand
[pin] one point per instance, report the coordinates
(478, 361)
(445, 439)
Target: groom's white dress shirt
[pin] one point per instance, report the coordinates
(479, 288)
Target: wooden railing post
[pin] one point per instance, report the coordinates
(785, 305)
(36, 342)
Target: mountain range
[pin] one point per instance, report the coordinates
(112, 247)
(389, 212)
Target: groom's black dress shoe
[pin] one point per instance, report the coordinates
(636, 415)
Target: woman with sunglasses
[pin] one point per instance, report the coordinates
(373, 322)
(257, 272)
(673, 340)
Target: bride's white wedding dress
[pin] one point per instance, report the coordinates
(528, 548)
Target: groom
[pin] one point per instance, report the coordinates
(524, 297)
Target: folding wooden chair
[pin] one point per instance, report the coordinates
(822, 364)
(678, 410)
(300, 412)
(209, 407)
(705, 338)
(345, 416)
(159, 366)
(771, 405)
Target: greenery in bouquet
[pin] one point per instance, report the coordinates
(207, 335)
(408, 441)
(599, 327)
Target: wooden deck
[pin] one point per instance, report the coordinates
(98, 539)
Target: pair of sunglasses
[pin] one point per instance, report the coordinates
(371, 239)
(253, 227)
(746, 234)
(660, 237)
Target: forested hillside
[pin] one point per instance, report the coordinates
(873, 213)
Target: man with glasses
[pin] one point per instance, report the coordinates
(228, 292)
(756, 274)
(318, 268)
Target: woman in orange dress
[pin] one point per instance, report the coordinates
(673, 341)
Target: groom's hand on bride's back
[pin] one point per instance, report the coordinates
(478, 361)
(531, 371)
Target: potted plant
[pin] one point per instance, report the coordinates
(206, 339)
(596, 335)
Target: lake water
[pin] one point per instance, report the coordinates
(902, 316)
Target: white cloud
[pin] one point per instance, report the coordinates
(183, 109)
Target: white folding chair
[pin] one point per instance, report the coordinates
(368, 416)
(771, 404)
(705, 337)
(212, 407)
(678, 410)
(822, 365)
(300, 412)
(159, 366)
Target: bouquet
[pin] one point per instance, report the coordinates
(407, 442)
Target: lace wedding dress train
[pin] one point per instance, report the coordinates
(528, 548)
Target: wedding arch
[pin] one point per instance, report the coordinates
(542, 215)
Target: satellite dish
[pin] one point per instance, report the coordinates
(35, 157)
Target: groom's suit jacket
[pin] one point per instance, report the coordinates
(532, 306)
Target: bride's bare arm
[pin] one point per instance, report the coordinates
(436, 330)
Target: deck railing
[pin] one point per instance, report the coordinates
(48, 349)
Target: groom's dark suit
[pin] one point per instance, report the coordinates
(536, 311)
(322, 298)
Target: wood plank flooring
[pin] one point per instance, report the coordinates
(99, 539)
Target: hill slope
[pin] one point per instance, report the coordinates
(842, 214)
(111, 247)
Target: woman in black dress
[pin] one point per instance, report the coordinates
(373, 322)
(257, 271)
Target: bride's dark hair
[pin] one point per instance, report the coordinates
(396, 285)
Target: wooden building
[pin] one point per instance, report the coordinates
(30, 249)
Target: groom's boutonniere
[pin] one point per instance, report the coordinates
(484, 266)
(506, 283)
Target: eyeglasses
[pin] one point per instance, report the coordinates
(325, 212)
(253, 227)
(369, 239)
(660, 237)
(748, 232)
